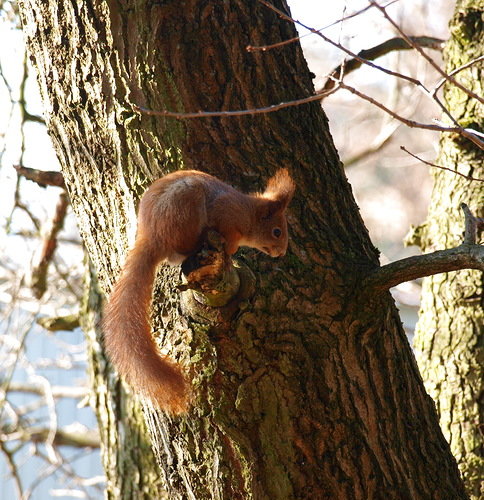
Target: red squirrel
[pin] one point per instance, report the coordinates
(173, 217)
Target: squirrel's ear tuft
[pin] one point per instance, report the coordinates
(280, 187)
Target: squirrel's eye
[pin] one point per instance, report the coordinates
(276, 232)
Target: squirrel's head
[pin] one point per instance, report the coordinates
(272, 237)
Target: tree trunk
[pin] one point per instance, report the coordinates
(449, 339)
(306, 390)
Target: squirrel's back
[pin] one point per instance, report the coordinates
(175, 211)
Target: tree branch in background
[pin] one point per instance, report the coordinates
(9, 457)
(80, 438)
(239, 112)
(20, 204)
(42, 177)
(57, 391)
(470, 134)
(468, 255)
(85, 438)
(39, 271)
(468, 177)
(436, 66)
(25, 233)
(394, 44)
(60, 323)
(264, 48)
(25, 115)
(383, 138)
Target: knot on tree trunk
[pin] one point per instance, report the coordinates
(214, 284)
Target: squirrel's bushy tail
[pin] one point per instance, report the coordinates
(127, 335)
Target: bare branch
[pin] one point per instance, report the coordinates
(468, 177)
(436, 66)
(442, 261)
(25, 233)
(87, 438)
(383, 138)
(20, 204)
(341, 47)
(457, 70)
(414, 81)
(468, 255)
(377, 51)
(57, 391)
(264, 48)
(39, 271)
(13, 469)
(476, 133)
(41, 177)
(64, 323)
(241, 112)
(22, 102)
(469, 133)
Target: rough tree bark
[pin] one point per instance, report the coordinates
(449, 339)
(309, 389)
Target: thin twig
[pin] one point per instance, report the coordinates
(377, 51)
(13, 469)
(468, 177)
(455, 71)
(264, 48)
(469, 130)
(411, 123)
(5, 82)
(240, 112)
(35, 221)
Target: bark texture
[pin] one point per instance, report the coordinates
(304, 391)
(450, 333)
